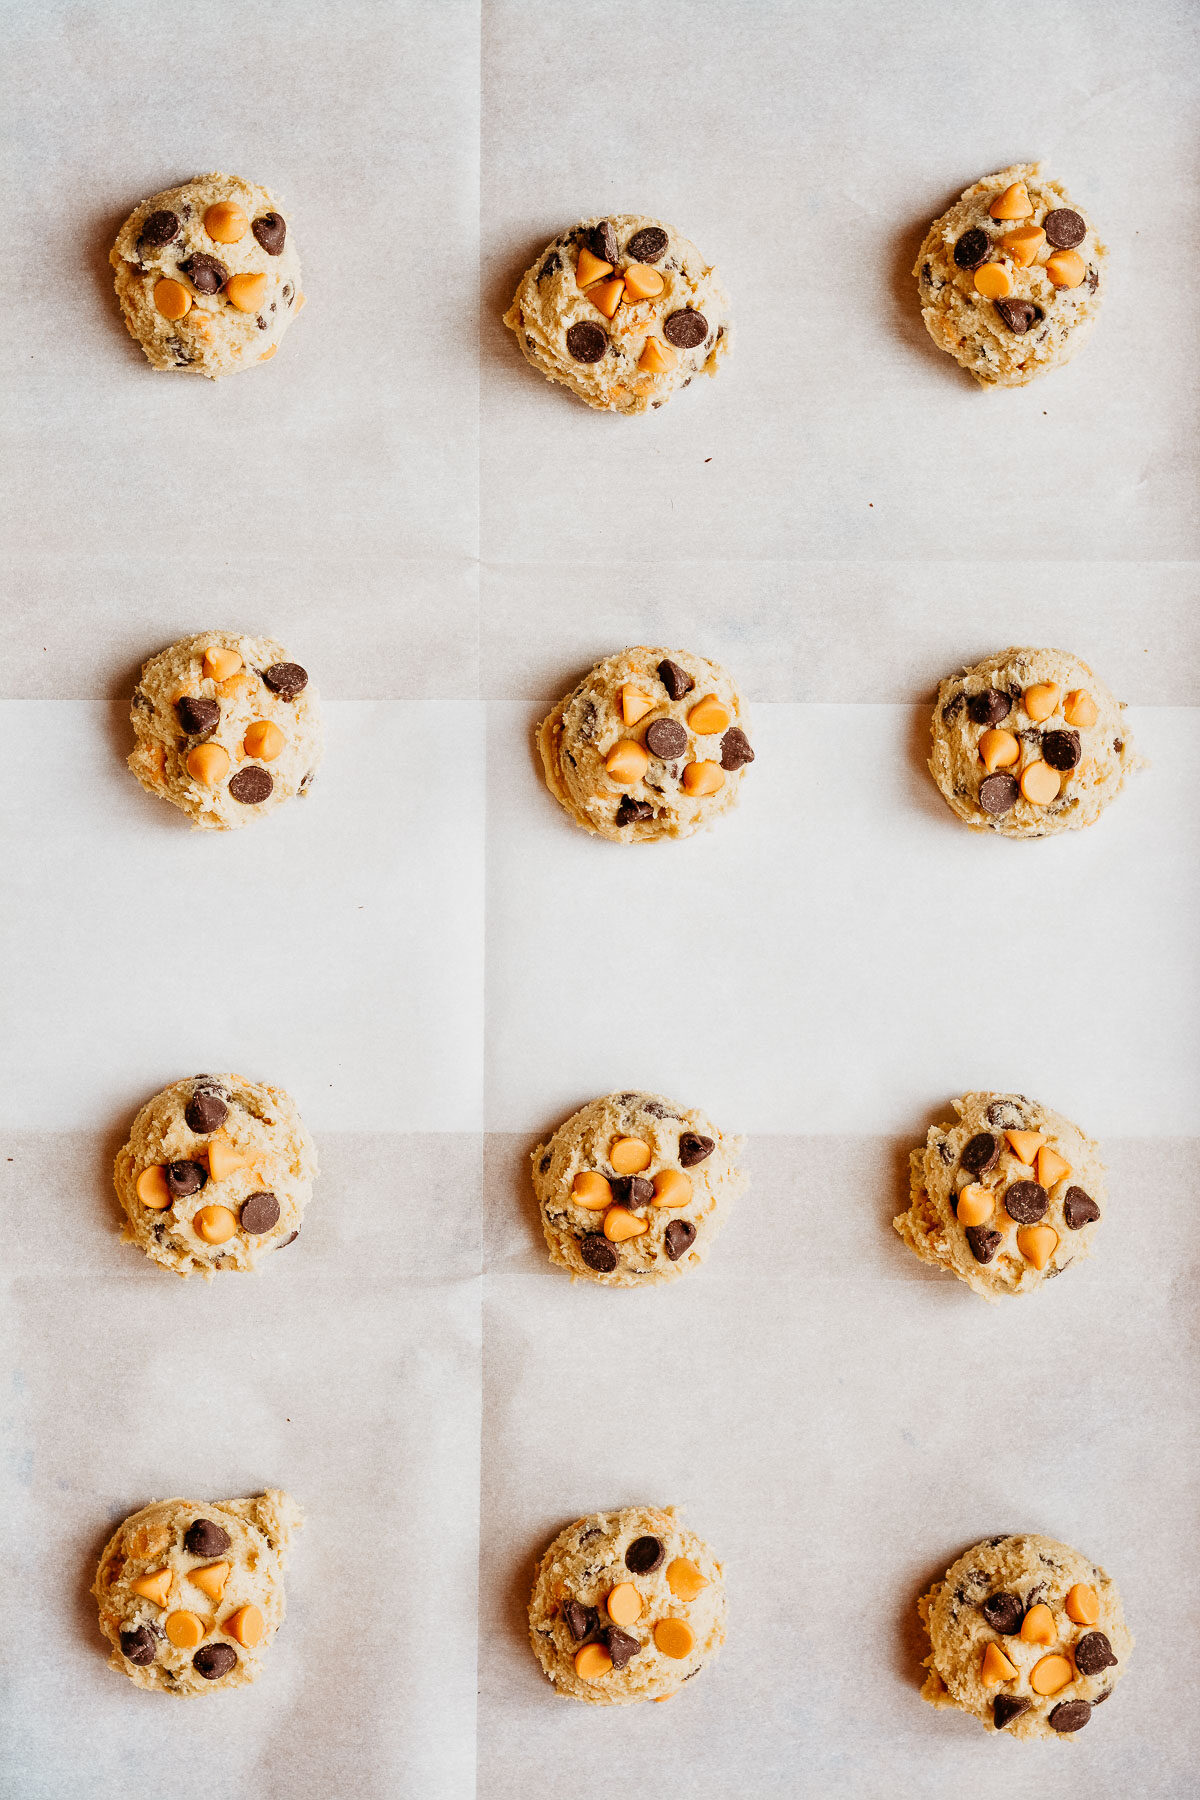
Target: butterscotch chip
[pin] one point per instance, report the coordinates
(216, 1224)
(625, 1604)
(995, 1666)
(211, 1579)
(630, 1155)
(1013, 203)
(246, 1625)
(590, 1189)
(1083, 1604)
(1037, 1627)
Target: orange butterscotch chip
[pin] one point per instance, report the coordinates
(708, 716)
(1037, 1244)
(993, 281)
(1013, 203)
(1066, 268)
(210, 1579)
(1051, 1167)
(634, 704)
(620, 1224)
(1040, 783)
(171, 298)
(592, 1661)
(975, 1204)
(184, 1630)
(590, 268)
(264, 740)
(995, 1666)
(672, 1188)
(225, 222)
(220, 663)
(1037, 1627)
(590, 1189)
(223, 1157)
(627, 762)
(703, 778)
(1023, 244)
(643, 282)
(1079, 708)
(630, 1155)
(624, 1604)
(208, 764)
(151, 1188)
(684, 1579)
(1025, 1145)
(1051, 1674)
(606, 295)
(674, 1637)
(246, 292)
(155, 1586)
(246, 1625)
(1041, 699)
(215, 1224)
(997, 749)
(657, 357)
(1083, 1604)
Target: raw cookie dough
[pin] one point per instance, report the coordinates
(651, 744)
(207, 276)
(633, 1189)
(623, 311)
(1027, 1634)
(1010, 279)
(1006, 1198)
(191, 1595)
(225, 728)
(216, 1174)
(1028, 743)
(626, 1606)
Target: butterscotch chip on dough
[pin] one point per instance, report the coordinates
(626, 1606)
(1009, 1644)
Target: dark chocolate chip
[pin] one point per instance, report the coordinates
(984, 1243)
(602, 242)
(197, 715)
(677, 681)
(998, 792)
(1004, 1613)
(1064, 228)
(989, 707)
(1093, 282)
(1099, 1699)
(644, 1555)
(139, 1645)
(1026, 1202)
(284, 1242)
(971, 248)
(1005, 1116)
(679, 1236)
(1006, 1708)
(666, 738)
(647, 245)
(953, 707)
(259, 1212)
(620, 1646)
(632, 811)
(980, 1153)
(251, 786)
(184, 1178)
(580, 1620)
(261, 322)
(586, 342)
(1061, 749)
(597, 1252)
(1019, 315)
(1069, 1715)
(687, 329)
(735, 748)
(286, 679)
(160, 228)
(693, 1148)
(270, 229)
(287, 292)
(551, 266)
(206, 274)
(204, 1537)
(1079, 1209)
(206, 1111)
(632, 1190)
(1093, 1652)
(214, 1660)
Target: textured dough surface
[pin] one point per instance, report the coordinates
(213, 338)
(161, 744)
(584, 1563)
(263, 1126)
(548, 302)
(931, 1227)
(1107, 754)
(583, 1143)
(576, 737)
(965, 323)
(259, 1529)
(1037, 1570)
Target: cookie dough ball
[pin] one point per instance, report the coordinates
(191, 1595)
(1029, 743)
(1007, 1198)
(651, 744)
(225, 728)
(1027, 1634)
(207, 276)
(626, 1606)
(633, 1189)
(623, 311)
(216, 1174)
(1010, 278)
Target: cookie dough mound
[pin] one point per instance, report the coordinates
(623, 311)
(225, 728)
(1007, 1198)
(633, 1189)
(1029, 743)
(207, 276)
(626, 1606)
(1011, 278)
(1027, 1634)
(191, 1595)
(651, 744)
(216, 1174)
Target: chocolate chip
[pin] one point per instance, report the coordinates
(270, 229)
(647, 245)
(1064, 228)
(602, 242)
(1093, 1652)
(644, 1555)
(984, 1243)
(620, 1646)
(259, 1212)
(586, 342)
(666, 738)
(1003, 1613)
(1019, 315)
(971, 248)
(139, 1645)
(1005, 1116)
(205, 1111)
(1093, 282)
(1099, 1699)
(693, 1148)
(184, 1178)
(284, 1242)
(1069, 1715)
(214, 1660)
(580, 1620)
(980, 1153)
(1026, 1202)
(687, 330)
(953, 707)
(551, 266)
(735, 748)
(204, 1537)
(261, 322)
(597, 1252)
(251, 786)
(989, 707)
(998, 792)
(286, 679)
(1006, 1708)
(677, 681)
(159, 229)
(197, 715)
(206, 274)
(1079, 1209)
(1061, 749)
(632, 811)
(679, 1236)
(287, 292)
(632, 1190)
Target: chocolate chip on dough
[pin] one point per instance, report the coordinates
(1069, 1715)
(1061, 749)
(1006, 1708)
(139, 1645)
(632, 1190)
(259, 1213)
(620, 1645)
(586, 342)
(679, 1237)
(1079, 1209)
(644, 1555)
(597, 1252)
(647, 245)
(270, 228)
(184, 1178)
(204, 1537)
(735, 749)
(1004, 1613)
(980, 1153)
(667, 739)
(984, 1243)
(206, 274)
(1064, 228)
(989, 707)
(197, 715)
(580, 1620)
(551, 266)
(1019, 315)
(251, 786)
(1093, 1652)
(677, 681)
(971, 248)
(687, 329)
(286, 679)
(633, 811)
(214, 1660)
(1026, 1202)
(602, 242)
(998, 792)
(693, 1148)
(206, 1111)
(160, 228)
